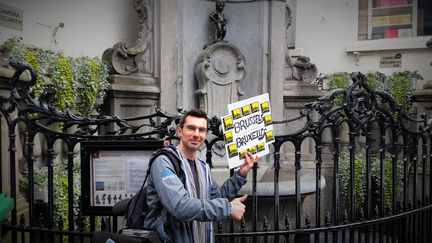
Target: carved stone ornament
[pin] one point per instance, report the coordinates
(220, 69)
(305, 70)
(125, 59)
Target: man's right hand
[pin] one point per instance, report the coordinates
(238, 208)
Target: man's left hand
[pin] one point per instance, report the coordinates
(251, 160)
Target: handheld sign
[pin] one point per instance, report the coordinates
(247, 128)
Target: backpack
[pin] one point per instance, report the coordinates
(136, 209)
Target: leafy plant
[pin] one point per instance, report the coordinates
(10, 43)
(60, 184)
(39, 179)
(376, 80)
(399, 85)
(360, 175)
(73, 79)
(340, 80)
(89, 72)
(64, 83)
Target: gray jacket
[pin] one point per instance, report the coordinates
(171, 209)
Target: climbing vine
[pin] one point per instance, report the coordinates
(89, 72)
(340, 80)
(60, 196)
(77, 82)
(64, 83)
(399, 85)
(360, 175)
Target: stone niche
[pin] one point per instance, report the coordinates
(220, 69)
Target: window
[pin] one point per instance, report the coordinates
(379, 19)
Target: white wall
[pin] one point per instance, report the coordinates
(90, 26)
(324, 29)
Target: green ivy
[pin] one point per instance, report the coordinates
(344, 177)
(64, 83)
(60, 184)
(399, 85)
(32, 60)
(75, 80)
(360, 175)
(89, 71)
(376, 80)
(10, 43)
(340, 80)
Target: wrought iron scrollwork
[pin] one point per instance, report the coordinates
(41, 113)
(361, 106)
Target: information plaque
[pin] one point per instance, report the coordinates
(112, 171)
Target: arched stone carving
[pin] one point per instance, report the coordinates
(220, 69)
(125, 59)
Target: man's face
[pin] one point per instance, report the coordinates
(193, 133)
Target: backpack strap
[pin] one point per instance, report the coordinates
(172, 158)
(175, 161)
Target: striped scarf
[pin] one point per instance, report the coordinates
(202, 231)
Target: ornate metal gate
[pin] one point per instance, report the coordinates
(375, 158)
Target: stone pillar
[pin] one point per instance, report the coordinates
(170, 69)
(132, 95)
(4, 139)
(276, 68)
(423, 99)
(294, 100)
(21, 204)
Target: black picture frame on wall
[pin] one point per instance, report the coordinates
(112, 171)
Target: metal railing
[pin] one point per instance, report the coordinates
(375, 159)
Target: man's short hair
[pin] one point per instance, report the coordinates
(195, 113)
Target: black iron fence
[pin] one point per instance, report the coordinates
(370, 169)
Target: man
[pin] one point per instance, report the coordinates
(181, 208)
